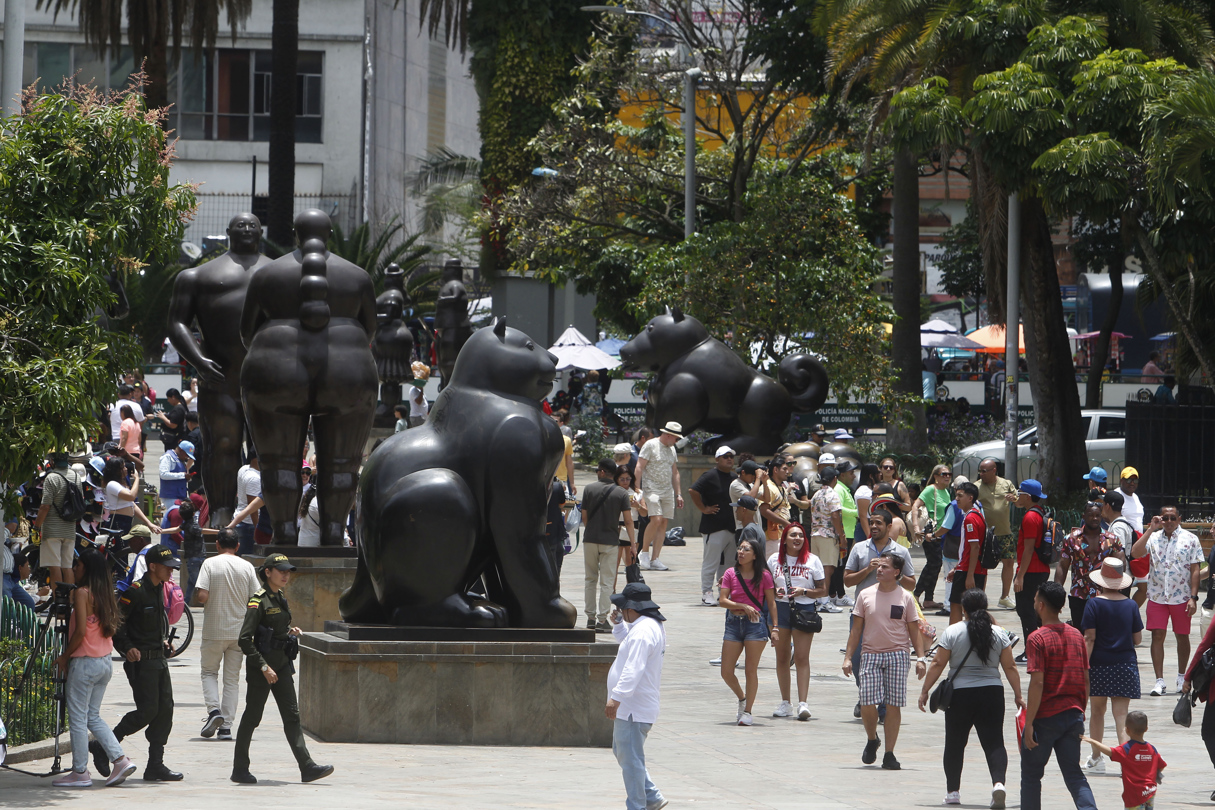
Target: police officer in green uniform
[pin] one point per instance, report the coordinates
(270, 644)
(143, 639)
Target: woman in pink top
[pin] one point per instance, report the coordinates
(91, 629)
(744, 589)
(128, 437)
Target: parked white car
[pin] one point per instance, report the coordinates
(1105, 437)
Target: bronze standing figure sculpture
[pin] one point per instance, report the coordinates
(213, 294)
(393, 344)
(308, 319)
(451, 318)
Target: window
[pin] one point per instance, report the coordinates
(1111, 427)
(51, 63)
(225, 96)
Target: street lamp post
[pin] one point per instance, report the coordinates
(14, 57)
(691, 76)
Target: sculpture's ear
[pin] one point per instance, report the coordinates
(677, 313)
(500, 328)
(668, 309)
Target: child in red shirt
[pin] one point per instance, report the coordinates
(1141, 764)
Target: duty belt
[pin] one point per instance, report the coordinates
(151, 654)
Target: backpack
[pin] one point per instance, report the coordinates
(989, 549)
(1053, 534)
(175, 602)
(73, 507)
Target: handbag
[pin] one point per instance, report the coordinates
(942, 696)
(1203, 672)
(632, 573)
(1183, 712)
(803, 618)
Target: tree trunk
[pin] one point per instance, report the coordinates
(1101, 351)
(1052, 375)
(285, 56)
(908, 431)
(149, 37)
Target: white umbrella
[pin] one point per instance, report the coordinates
(936, 340)
(938, 327)
(573, 349)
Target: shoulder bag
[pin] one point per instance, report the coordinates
(942, 696)
(803, 618)
(754, 601)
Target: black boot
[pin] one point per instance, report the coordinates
(156, 770)
(313, 772)
(244, 778)
(101, 761)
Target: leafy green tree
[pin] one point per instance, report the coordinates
(450, 187)
(84, 192)
(961, 260)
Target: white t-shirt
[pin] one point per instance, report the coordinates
(248, 485)
(659, 461)
(863, 491)
(636, 675)
(803, 575)
(1132, 509)
(116, 416)
(737, 490)
(414, 408)
(229, 581)
(310, 525)
(114, 501)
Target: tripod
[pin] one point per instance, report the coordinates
(54, 626)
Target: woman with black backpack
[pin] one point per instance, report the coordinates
(974, 650)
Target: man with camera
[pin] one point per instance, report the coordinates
(143, 639)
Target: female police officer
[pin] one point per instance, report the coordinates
(269, 643)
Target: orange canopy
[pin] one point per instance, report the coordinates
(992, 338)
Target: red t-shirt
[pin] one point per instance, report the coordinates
(974, 529)
(1058, 651)
(1140, 763)
(1032, 528)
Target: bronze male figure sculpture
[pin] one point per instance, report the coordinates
(213, 294)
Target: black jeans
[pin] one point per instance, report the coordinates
(927, 583)
(1077, 608)
(980, 708)
(153, 692)
(1208, 729)
(1025, 604)
(258, 689)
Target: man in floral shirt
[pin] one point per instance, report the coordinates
(1081, 553)
(827, 529)
(1172, 587)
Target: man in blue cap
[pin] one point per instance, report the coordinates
(1031, 570)
(175, 467)
(632, 686)
(1097, 478)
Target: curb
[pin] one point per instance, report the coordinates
(31, 752)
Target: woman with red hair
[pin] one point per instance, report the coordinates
(800, 579)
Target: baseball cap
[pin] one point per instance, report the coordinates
(1129, 472)
(1033, 487)
(162, 554)
(723, 451)
(746, 502)
(622, 449)
(825, 459)
(187, 448)
(1096, 474)
(138, 530)
(749, 466)
(278, 561)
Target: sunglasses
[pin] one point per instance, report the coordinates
(942, 474)
(887, 466)
(1169, 519)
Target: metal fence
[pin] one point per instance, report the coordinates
(30, 715)
(1173, 449)
(215, 210)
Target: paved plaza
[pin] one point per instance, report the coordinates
(696, 754)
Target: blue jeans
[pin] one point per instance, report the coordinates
(193, 566)
(1059, 733)
(14, 591)
(628, 744)
(244, 531)
(87, 679)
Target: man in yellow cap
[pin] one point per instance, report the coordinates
(1132, 507)
(270, 644)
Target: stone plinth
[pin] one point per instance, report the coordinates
(690, 468)
(322, 575)
(527, 693)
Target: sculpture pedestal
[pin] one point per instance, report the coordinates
(322, 575)
(690, 468)
(472, 692)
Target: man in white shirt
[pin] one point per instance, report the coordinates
(1172, 588)
(248, 487)
(225, 584)
(658, 471)
(633, 684)
(1132, 507)
(124, 398)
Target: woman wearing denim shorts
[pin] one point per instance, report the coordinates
(749, 594)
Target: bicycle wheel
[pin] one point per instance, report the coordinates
(185, 632)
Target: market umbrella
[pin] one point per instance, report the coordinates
(992, 339)
(573, 349)
(937, 326)
(1091, 335)
(611, 345)
(936, 340)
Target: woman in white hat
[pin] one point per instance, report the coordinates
(1112, 627)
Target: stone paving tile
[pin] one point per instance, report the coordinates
(697, 756)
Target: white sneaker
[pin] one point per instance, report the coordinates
(707, 599)
(71, 779)
(952, 797)
(843, 601)
(830, 607)
(656, 565)
(745, 719)
(643, 561)
(742, 709)
(1158, 689)
(715, 662)
(1007, 603)
(803, 711)
(998, 795)
(1095, 764)
(1180, 681)
(783, 709)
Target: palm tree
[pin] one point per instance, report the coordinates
(375, 254)
(451, 192)
(149, 25)
(284, 44)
